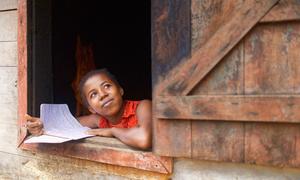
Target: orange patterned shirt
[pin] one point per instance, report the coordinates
(128, 120)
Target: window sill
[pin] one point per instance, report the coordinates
(106, 150)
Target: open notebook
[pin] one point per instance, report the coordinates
(59, 125)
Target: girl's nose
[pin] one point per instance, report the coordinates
(103, 94)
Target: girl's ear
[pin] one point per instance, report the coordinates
(121, 91)
(91, 110)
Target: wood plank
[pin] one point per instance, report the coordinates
(186, 75)
(273, 144)
(272, 59)
(22, 67)
(8, 4)
(285, 10)
(226, 78)
(218, 141)
(112, 153)
(8, 26)
(166, 141)
(170, 35)
(284, 108)
(207, 17)
(8, 51)
(221, 141)
(170, 44)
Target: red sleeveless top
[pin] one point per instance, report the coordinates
(128, 119)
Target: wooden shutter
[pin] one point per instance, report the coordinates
(226, 80)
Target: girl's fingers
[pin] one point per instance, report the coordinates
(33, 124)
(30, 118)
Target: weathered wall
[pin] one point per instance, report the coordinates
(18, 164)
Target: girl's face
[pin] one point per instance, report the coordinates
(104, 96)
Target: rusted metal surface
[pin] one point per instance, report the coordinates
(272, 59)
(222, 141)
(284, 108)
(285, 10)
(170, 44)
(183, 78)
(272, 144)
(22, 67)
(106, 150)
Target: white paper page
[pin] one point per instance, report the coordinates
(59, 121)
(59, 125)
(71, 133)
(46, 139)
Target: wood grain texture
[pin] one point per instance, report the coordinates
(222, 141)
(172, 138)
(207, 17)
(285, 10)
(226, 78)
(272, 59)
(211, 140)
(170, 35)
(272, 67)
(8, 26)
(170, 45)
(185, 76)
(8, 51)
(22, 67)
(110, 152)
(273, 144)
(283, 108)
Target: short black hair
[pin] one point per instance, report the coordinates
(89, 75)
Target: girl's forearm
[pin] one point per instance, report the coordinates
(136, 137)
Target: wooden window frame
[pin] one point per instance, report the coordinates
(99, 149)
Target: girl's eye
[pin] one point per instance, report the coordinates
(93, 95)
(106, 86)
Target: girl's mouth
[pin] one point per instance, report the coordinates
(107, 103)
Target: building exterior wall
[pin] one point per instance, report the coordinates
(18, 164)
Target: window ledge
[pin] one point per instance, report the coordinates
(106, 150)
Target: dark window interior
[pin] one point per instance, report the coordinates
(120, 34)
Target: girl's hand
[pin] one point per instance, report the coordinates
(34, 125)
(105, 132)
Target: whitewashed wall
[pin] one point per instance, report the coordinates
(18, 164)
